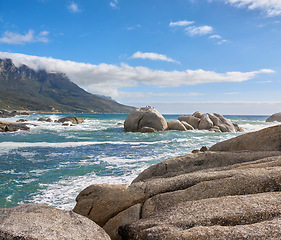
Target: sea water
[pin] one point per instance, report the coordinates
(51, 163)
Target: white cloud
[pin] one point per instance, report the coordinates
(73, 7)
(152, 56)
(138, 95)
(181, 23)
(201, 30)
(107, 79)
(271, 7)
(114, 4)
(215, 37)
(17, 38)
(232, 93)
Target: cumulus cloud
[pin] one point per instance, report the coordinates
(73, 7)
(181, 23)
(30, 36)
(107, 79)
(152, 56)
(201, 30)
(271, 7)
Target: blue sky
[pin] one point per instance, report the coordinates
(176, 55)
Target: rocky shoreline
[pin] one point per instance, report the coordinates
(232, 191)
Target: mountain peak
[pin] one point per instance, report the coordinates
(27, 89)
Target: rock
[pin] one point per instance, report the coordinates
(268, 139)
(193, 121)
(49, 120)
(256, 216)
(275, 117)
(8, 114)
(36, 221)
(100, 202)
(204, 195)
(6, 126)
(214, 129)
(145, 117)
(195, 151)
(22, 120)
(127, 216)
(187, 125)
(203, 149)
(176, 125)
(224, 124)
(205, 122)
(42, 120)
(73, 120)
(147, 130)
(197, 114)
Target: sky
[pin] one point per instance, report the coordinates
(178, 56)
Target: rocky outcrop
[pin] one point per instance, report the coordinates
(213, 122)
(176, 125)
(36, 221)
(205, 195)
(268, 139)
(145, 117)
(8, 114)
(6, 126)
(73, 120)
(275, 117)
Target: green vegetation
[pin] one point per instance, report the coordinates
(25, 89)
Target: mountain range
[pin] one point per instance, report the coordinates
(23, 88)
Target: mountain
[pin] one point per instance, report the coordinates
(23, 88)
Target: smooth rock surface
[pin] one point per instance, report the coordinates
(193, 121)
(37, 222)
(275, 117)
(176, 125)
(74, 120)
(268, 139)
(145, 117)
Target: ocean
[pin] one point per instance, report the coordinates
(51, 163)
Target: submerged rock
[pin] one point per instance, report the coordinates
(36, 222)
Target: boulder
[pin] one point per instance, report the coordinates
(187, 125)
(6, 126)
(8, 114)
(214, 129)
(193, 121)
(36, 221)
(73, 120)
(255, 216)
(176, 125)
(145, 117)
(224, 124)
(42, 120)
(197, 114)
(268, 139)
(275, 117)
(147, 130)
(205, 122)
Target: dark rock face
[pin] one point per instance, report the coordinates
(205, 195)
(145, 117)
(275, 117)
(7, 114)
(36, 222)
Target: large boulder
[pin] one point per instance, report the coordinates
(145, 117)
(74, 120)
(275, 117)
(268, 139)
(36, 222)
(176, 125)
(7, 126)
(193, 121)
(205, 122)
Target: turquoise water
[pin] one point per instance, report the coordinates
(52, 163)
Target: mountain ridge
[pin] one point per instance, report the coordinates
(23, 88)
